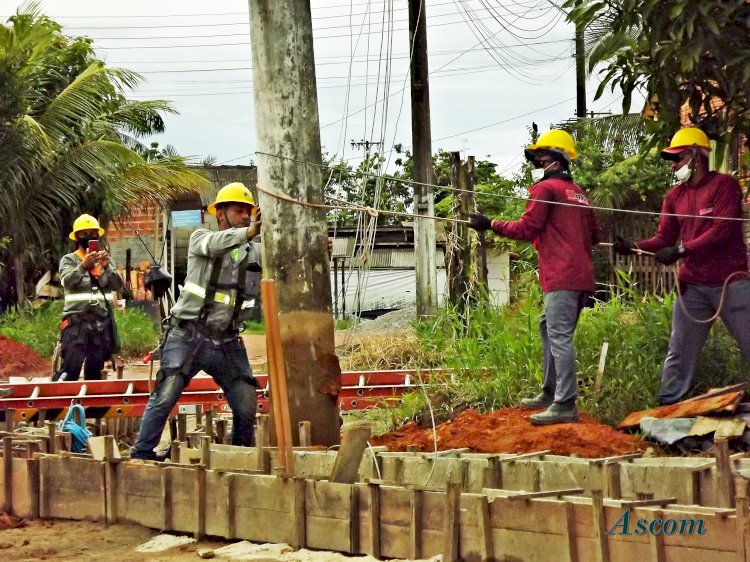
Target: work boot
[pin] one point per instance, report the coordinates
(556, 413)
(542, 400)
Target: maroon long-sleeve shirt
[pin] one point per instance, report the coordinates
(714, 248)
(563, 234)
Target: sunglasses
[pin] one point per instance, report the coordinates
(543, 163)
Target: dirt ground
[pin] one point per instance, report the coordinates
(509, 430)
(57, 540)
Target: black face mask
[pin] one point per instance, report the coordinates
(83, 241)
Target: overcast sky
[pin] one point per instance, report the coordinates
(496, 66)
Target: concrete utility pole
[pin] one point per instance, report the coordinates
(580, 72)
(424, 197)
(294, 237)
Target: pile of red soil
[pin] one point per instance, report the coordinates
(18, 360)
(10, 522)
(510, 431)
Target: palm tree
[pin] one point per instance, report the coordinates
(72, 140)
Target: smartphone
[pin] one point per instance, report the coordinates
(93, 246)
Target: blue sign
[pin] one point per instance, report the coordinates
(187, 218)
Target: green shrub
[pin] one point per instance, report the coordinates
(497, 357)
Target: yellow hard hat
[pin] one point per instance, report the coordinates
(685, 139)
(235, 192)
(557, 140)
(85, 222)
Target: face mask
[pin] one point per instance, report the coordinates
(683, 174)
(83, 241)
(537, 174)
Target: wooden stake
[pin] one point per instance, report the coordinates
(32, 471)
(349, 457)
(182, 427)
(172, 428)
(277, 375)
(656, 541)
(486, 549)
(743, 520)
(8, 474)
(221, 431)
(174, 451)
(206, 451)
(305, 434)
(724, 473)
(571, 539)
(231, 507)
(600, 525)
(374, 496)
(166, 493)
(209, 429)
(10, 424)
(416, 524)
(298, 513)
(198, 415)
(353, 519)
(52, 439)
(600, 370)
(200, 502)
(452, 523)
(110, 458)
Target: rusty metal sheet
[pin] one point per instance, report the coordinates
(685, 409)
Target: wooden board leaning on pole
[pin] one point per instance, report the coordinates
(277, 375)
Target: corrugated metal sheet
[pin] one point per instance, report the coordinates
(383, 258)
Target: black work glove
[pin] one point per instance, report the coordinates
(623, 246)
(669, 255)
(479, 222)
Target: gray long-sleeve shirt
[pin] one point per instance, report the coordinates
(81, 295)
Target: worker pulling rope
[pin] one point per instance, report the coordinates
(80, 435)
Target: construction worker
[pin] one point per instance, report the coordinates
(563, 228)
(223, 277)
(713, 254)
(88, 278)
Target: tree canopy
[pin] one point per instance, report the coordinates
(72, 140)
(677, 53)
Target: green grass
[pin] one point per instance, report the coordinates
(39, 330)
(497, 356)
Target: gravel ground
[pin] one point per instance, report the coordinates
(396, 321)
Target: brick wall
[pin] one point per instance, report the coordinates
(146, 220)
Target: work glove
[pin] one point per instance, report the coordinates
(479, 222)
(623, 246)
(670, 254)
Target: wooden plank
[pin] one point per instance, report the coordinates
(486, 549)
(96, 446)
(724, 473)
(452, 522)
(571, 544)
(656, 542)
(720, 391)
(373, 491)
(354, 438)
(600, 525)
(684, 409)
(648, 502)
(526, 456)
(182, 427)
(415, 528)
(545, 494)
(8, 474)
(743, 520)
(206, 450)
(111, 456)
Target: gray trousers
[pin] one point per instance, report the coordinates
(557, 326)
(688, 337)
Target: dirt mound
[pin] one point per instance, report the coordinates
(10, 522)
(17, 359)
(509, 431)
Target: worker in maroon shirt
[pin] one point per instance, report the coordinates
(713, 254)
(563, 227)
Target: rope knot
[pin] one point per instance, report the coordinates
(372, 212)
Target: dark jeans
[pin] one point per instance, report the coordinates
(84, 340)
(185, 353)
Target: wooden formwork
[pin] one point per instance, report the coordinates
(390, 521)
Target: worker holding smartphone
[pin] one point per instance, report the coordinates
(89, 280)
